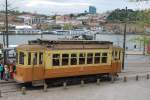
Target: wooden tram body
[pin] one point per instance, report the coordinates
(43, 59)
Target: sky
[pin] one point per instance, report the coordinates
(51, 7)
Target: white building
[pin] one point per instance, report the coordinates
(25, 29)
(32, 19)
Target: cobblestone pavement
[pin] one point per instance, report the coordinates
(130, 90)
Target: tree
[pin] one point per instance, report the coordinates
(68, 27)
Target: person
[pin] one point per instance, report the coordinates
(11, 70)
(6, 72)
(1, 71)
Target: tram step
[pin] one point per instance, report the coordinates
(38, 83)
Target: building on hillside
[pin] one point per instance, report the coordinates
(61, 20)
(92, 9)
(31, 19)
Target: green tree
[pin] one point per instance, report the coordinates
(68, 27)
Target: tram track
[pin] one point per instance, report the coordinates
(12, 86)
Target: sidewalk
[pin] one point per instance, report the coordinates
(134, 52)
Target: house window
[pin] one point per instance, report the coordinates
(97, 58)
(29, 58)
(65, 59)
(82, 58)
(104, 57)
(40, 58)
(56, 60)
(21, 58)
(73, 59)
(90, 58)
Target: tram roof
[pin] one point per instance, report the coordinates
(50, 42)
(65, 44)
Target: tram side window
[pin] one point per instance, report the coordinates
(40, 58)
(97, 58)
(65, 59)
(104, 57)
(29, 58)
(73, 59)
(90, 58)
(56, 60)
(21, 58)
(82, 58)
(35, 59)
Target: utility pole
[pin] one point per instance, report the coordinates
(6, 41)
(6, 15)
(124, 39)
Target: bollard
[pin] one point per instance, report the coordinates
(45, 87)
(137, 77)
(23, 90)
(147, 76)
(82, 83)
(112, 79)
(65, 85)
(98, 81)
(125, 79)
(0, 93)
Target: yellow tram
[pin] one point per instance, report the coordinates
(44, 59)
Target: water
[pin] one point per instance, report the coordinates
(116, 39)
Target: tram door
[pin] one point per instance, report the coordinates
(37, 66)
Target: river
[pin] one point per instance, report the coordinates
(116, 39)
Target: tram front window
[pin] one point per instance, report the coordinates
(21, 58)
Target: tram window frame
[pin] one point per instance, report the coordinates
(41, 58)
(74, 59)
(29, 58)
(35, 60)
(55, 60)
(97, 58)
(104, 58)
(65, 59)
(82, 58)
(89, 58)
(21, 58)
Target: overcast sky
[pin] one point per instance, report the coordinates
(73, 6)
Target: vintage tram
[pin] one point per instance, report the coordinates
(44, 59)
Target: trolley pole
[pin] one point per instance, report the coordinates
(124, 39)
